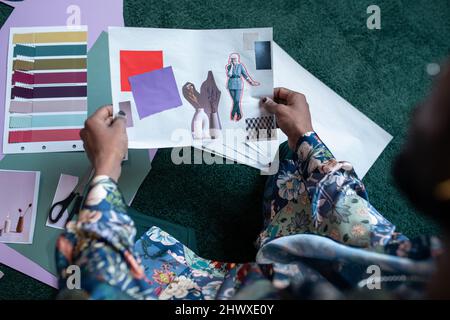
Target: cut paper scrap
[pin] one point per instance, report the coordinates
(50, 64)
(66, 185)
(263, 56)
(44, 135)
(242, 153)
(42, 106)
(49, 92)
(125, 106)
(49, 77)
(249, 39)
(13, 259)
(93, 15)
(155, 91)
(137, 62)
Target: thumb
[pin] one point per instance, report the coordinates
(270, 105)
(120, 121)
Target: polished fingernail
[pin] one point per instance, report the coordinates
(264, 100)
(122, 113)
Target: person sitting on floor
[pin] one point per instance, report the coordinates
(322, 239)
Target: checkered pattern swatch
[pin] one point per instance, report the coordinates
(261, 128)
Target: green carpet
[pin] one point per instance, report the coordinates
(381, 72)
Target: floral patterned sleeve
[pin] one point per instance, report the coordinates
(316, 194)
(100, 242)
(339, 202)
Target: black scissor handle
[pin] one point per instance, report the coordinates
(76, 207)
(62, 206)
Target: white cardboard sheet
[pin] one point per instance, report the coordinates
(348, 133)
(191, 54)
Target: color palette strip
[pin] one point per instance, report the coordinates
(44, 135)
(51, 77)
(50, 37)
(50, 64)
(56, 50)
(48, 106)
(49, 92)
(43, 121)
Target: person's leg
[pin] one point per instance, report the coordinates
(236, 95)
(233, 108)
(237, 103)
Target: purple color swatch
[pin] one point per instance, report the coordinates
(155, 91)
(51, 77)
(49, 92)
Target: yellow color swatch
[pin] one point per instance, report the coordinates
(50, 37)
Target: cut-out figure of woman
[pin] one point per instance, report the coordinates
(235, 72)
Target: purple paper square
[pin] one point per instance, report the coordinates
(155, 91)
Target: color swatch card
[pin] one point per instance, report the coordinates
(46, 89)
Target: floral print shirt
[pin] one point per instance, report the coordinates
(322, 239)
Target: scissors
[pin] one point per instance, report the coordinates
(76, 196)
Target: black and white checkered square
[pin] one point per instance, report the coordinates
(261, 128)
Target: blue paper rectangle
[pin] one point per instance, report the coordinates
(263, 56)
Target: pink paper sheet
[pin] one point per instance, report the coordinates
(15, 260)
(97, 15)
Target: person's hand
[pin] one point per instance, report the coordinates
(292, 113)
(230, 69)
(105, 141)
(254, 83)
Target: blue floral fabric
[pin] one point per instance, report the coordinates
(321, 240)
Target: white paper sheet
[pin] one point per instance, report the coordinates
(66, 185)
(348, 133)
(191, 54)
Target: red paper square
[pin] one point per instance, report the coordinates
(137, 62)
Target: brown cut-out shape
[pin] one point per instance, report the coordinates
(210, 94)
(191, 95)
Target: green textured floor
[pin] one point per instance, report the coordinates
(380, 72)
